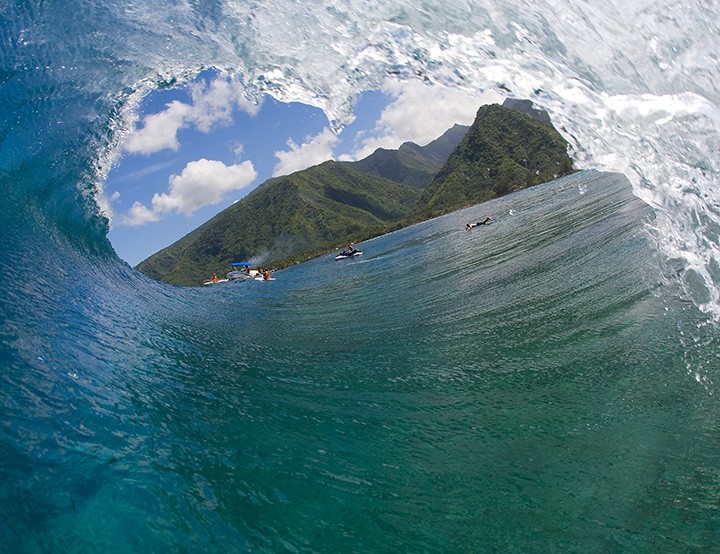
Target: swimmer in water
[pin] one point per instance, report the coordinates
(483, 222)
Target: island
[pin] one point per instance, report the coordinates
(309, 213)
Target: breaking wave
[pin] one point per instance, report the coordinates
(534, 385)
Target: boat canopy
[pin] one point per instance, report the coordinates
(240, 264)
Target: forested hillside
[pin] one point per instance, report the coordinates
(504, 151)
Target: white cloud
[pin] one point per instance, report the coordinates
(420, 113)
(201, 183)
(238, 148)
(159, 131)
(314, 151)
(138, 215)
(139, 174)
(212, 104)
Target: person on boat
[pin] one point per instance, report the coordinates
(214, 278)
(266, 275)
(469, 226)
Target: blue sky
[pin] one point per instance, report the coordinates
(197, 149)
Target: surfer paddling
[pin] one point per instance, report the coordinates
(351, 252)
(485, 221)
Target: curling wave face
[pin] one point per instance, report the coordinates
(518, 387)
(468, 390)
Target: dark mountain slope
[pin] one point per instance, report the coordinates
(527, 107)
(503, 151)
(412, 164)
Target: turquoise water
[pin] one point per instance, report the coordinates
(546, 383)
(520, 387)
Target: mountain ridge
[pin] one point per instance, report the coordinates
(410, 163)
(504, 151)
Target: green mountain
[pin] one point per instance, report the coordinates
(412, 164)
(285, 220)
(308, 213)
(504, 151)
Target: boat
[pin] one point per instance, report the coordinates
(241, 271)
(348, 254)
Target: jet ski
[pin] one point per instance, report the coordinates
(348, 254)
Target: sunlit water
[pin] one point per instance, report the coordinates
(544, 383)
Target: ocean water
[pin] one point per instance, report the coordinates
(547, 383)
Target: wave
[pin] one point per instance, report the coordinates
(434, 392)
(451, 388)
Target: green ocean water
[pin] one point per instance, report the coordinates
(539, 384)
(547, 383)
